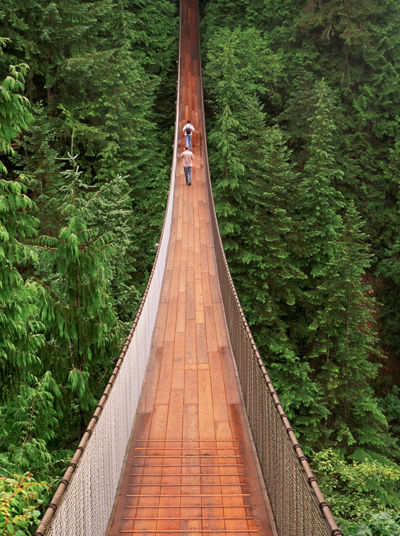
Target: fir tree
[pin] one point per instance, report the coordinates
(351, 350)
(273, 282)
(28, 425)
(235, 137)
(40, 161)
(82, 329)
(322, 200)
(20, 337)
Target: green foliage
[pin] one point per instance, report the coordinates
(357, 490)
(32, 412)
(391, 407)
(322, 201)
(382, 524)
(356, 416)
(68, 297)
(271, 284)
(77, 311)
(19, 324)
(14, 107)
(40, 161)
(109, 90)
(21, 498)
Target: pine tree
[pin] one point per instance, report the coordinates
(20, 337)
(40, 161)
(351, 348)
(337, 337)
(273, 281)
(323, 202)
(82, 329)
(15, 113)
(28, 425)
(235, 137)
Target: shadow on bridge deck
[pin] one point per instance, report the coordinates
(190, 468)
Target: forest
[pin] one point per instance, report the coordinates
(303, 108)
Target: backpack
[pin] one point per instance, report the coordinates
(188, 131)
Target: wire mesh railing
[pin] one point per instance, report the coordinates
(84, 499)
(297, 503)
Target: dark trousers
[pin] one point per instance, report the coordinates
(188, 174)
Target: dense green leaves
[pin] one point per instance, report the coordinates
(77, 309)
(20, 500)
(382, 524)
(358, 490)
(19, 322)
(303, 113)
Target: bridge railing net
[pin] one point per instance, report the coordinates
(83, 502)
(297, 503)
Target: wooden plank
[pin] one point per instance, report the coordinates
(181, 312)
(211, 331)
(221, 413)
(190, 344)
(199, 301)
(165, 377)
(192, 512)
(206, 415)
(191, 395)
(215, 290)
(201, 343)
(171, 320)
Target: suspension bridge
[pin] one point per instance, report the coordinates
(189, 437)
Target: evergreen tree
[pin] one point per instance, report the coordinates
(15, 113)
(337, 338)
(343, 135)
(40, 161)
(229, 171)
(322, 201)
(235, 139)
(33, 418)
(81, 325)
(19, 326)
(105, 70)
(273, 282)
(351, 356)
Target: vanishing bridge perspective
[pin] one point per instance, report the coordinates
(189, 437)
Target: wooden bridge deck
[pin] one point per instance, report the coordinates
(190, 469)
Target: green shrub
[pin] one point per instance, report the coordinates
(20, 500)
(382, 524)
(356, 491)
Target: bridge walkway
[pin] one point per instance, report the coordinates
(190, 467)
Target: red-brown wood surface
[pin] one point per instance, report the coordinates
(189, 468)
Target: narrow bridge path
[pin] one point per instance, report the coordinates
(190, 467)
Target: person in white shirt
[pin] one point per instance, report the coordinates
(188, 129)
(188, 158)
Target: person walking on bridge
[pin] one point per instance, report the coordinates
(188, 158)
(188, 129)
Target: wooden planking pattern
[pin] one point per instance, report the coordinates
(189, 468)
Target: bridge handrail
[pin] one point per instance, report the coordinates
(97, 463)
(297, 502)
